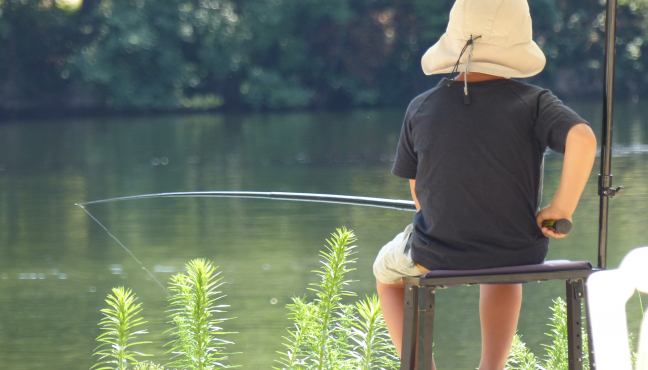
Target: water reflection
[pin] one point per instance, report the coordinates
(160, 268)
(57, 265)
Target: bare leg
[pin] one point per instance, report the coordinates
(499, 310)
(391, 302)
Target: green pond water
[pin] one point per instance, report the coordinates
(57, 265)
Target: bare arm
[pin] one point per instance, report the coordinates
(412, 189)
(580, 150)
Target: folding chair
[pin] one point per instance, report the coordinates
(420, 303)
(420, 291)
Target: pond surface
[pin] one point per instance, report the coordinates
(57, 265)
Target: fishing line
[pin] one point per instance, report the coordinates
(123, 246)
(403, 205)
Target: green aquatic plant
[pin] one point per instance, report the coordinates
(328, 334)
(118, 324)
(198, 344)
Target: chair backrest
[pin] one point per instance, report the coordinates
(607, 294)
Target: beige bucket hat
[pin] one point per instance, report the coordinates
(502, 46)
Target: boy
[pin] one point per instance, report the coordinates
(472, 149)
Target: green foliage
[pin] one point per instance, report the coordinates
(634, 355)
(556, 352)
(302, 314)
(374, 348)
(157, 54)
(35, 40)
(148, 366)
(323, 342)
(328, 334)
(269, 89)
(521, 357)
(274, 54)
(118, 324)
(197, 344)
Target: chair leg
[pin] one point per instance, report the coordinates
(410, 325)
(590, 337)
(574, 324)
(426, 305)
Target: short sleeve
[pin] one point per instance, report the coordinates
(406, 161)
(554, 120)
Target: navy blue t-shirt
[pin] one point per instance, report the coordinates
(477, 169)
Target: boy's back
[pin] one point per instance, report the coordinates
(477, 171)
(473, 152)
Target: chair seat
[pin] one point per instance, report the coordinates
(550, 270)
(555, 265)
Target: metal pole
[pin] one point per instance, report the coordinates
(605, 177)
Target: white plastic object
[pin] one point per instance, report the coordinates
(607, 294)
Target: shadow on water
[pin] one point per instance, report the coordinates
(57, 265)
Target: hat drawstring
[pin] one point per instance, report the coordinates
(470, 43)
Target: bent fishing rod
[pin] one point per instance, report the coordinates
(404, 205)
(562, 226)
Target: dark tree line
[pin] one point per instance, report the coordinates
(144, 55)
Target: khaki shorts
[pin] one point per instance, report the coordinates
(394, 260)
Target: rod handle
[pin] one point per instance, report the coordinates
(562, 226)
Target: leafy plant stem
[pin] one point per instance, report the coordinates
(334, 336)
(118, 322)
(197, 344)
(641, 307)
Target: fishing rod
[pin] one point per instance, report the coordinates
(403, 205)
(562, 226)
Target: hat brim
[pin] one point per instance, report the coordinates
(517, 61)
